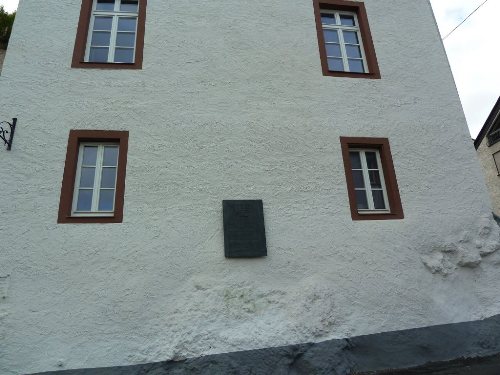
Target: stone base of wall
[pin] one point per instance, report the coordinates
(459, 349)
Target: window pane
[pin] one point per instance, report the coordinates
(353, 51)
(375, 181)
(371, 160)
(125, 39)
(347, 20)
(333, 50)
(98, 54)
(359, 181)
(106, 200)
(124, 55)
(378, 199)
(351, 37)
(110, 156)
(108, 178)
(101, 38)
(84, 200)
(126, 24)
(356, 66)
(87, 177)
(129, 6)
(328, 19)
(103, 23)
(335, 65)
(355, 160)
(89, 155)
(105, 4)
(361, 201)
(331, 36)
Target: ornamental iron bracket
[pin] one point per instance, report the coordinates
(6, 133)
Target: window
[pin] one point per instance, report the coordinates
(371, 179)
(110, 34)
(95, 184)
(345, 42)
(344, 52)
(369, 186)
(94, 177)
(496, 159)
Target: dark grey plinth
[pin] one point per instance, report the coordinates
(471, 348)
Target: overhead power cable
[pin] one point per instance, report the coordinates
(466, 18)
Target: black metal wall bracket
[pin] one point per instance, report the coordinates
(7, 135)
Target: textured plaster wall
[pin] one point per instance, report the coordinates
(485, 155)
(231, 104)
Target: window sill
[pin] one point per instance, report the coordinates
(373, 212)
(351, 75)
(358, 216)
(92, 65)
(90, 220)
(93, 214)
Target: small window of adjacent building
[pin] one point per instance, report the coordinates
(496, 159)
(371, 180)
(345, 42)
(110, 34)
(94, 177)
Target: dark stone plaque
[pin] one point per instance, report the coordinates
(244, 231)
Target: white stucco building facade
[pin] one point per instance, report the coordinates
(231, 103)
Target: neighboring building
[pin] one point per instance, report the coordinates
(487, 145)
(2, 57)
(342, 117)
(6, 23)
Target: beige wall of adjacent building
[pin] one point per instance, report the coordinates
(485, 155)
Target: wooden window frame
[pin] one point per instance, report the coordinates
(364, 29)
(391, 184)
(367, 188)
(96, 188)
(340, 30)
(76, 137)
(82, 38)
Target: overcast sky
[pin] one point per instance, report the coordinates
(472, 49)
(473, 53)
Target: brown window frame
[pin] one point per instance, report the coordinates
(69, 176)
(382, 145)
(82, 37)
(364, 28)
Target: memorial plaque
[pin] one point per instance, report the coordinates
(244, 231)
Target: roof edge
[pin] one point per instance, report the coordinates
(488, 124)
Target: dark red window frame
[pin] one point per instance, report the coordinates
(364, 27)
(82, 37)
(68, 182)
(391, 183)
